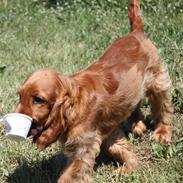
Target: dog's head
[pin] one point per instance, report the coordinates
(39, 97)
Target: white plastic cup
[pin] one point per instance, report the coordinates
(17, 126)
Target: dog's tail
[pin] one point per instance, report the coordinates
(134, 16)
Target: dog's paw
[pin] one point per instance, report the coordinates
(127, 168)
(139, 128)
(162, 134)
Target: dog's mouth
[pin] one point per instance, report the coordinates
(35, 129)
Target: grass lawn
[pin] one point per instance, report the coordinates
(67, 36)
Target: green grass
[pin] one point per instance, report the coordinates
(67, 37)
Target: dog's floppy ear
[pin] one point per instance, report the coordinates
(63, 103)
(56, 116)
(53, 128)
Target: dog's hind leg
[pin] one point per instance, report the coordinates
(161, 106)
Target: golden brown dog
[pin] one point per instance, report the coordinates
(86, 109)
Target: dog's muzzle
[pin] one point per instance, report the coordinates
(35, 129)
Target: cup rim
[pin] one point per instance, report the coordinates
(18, 114)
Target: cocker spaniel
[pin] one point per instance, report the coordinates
(86, 109)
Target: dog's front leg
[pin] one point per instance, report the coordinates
(82, 151)
(48, 136)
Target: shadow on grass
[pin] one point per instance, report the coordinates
(46, 171)
(49, 170)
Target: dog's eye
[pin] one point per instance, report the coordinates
(37, 100)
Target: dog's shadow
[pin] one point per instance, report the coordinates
(48, 170)
(45, 171)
